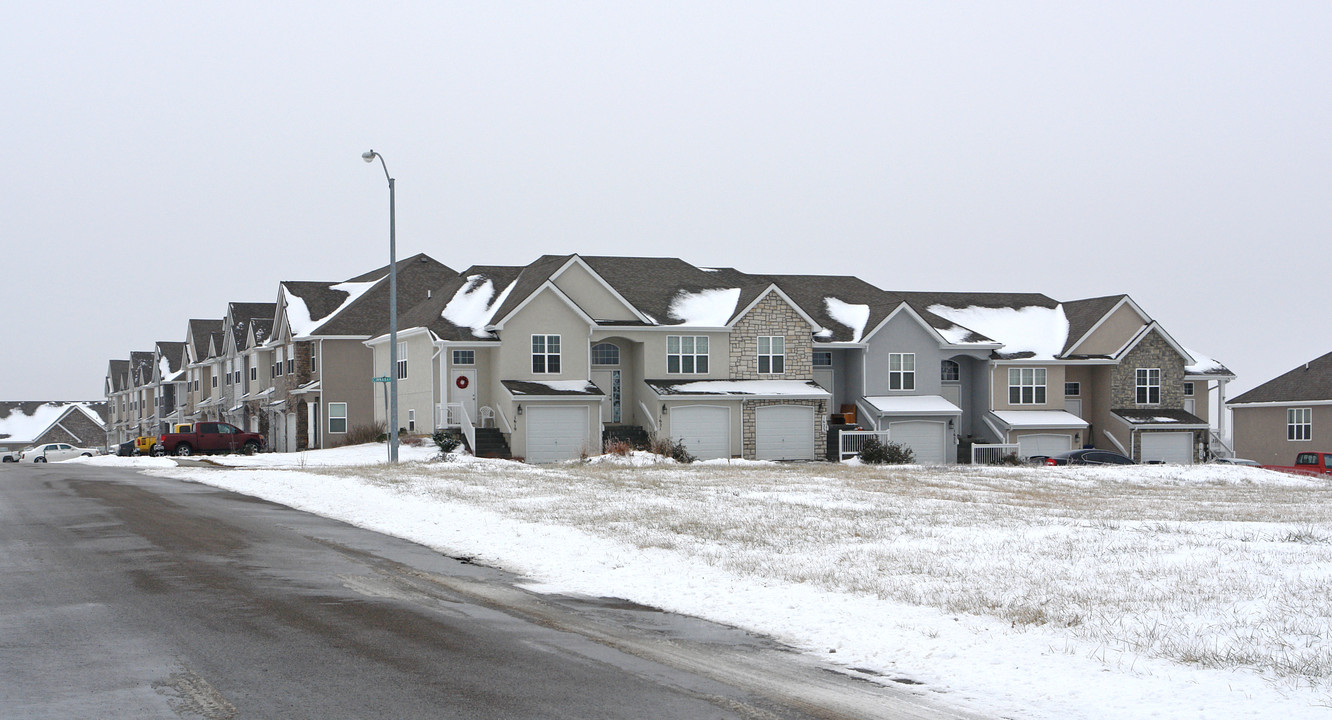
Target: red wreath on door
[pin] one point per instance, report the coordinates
(461, 382)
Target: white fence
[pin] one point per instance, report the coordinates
(453, 415)
(850, 441)
(991, 454)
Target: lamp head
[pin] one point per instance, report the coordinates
(368, 156)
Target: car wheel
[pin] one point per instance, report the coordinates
(39, 459)
(184, 449)
(87, 455)
(251, 448)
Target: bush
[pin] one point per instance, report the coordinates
(674, 450)
(875, 452)
(359, 434)
(1010, 459)
(618, 447)
(445, 441)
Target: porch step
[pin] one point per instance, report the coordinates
(490, 443)
(635, 435)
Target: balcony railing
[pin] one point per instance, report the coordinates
(851, 441)
(991, 454)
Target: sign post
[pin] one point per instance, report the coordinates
(378, 380)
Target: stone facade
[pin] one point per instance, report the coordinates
(775, 317)
(749, 425)
(1152, 352)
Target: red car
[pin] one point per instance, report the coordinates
(211, 437)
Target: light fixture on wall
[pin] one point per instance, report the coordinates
(520, 410)
(663, 408)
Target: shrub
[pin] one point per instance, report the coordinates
(618, 447)
(1010, 459)
(358, 434)
(674, 450)
(444, 440)
(875, 452)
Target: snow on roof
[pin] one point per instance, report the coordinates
(18, 425)
(1203, 365)
(1016, 419)
(913, 405)
(475, 304)
(1032, 329)
(705, 308)
(852, 316)
(537, 387)
(805, 388)
(298, 314)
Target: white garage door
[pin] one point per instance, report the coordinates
(926, 440)
(556, 433)
(784, 432)
(1047, 445)
(1171, 447)
(705, 430)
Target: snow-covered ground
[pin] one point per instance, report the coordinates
(1155, 591)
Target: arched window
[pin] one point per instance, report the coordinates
(949, 371)
(605, 354)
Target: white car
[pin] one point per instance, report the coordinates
(54, 452)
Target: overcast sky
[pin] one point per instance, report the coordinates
(162, 159)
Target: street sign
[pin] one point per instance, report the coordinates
(382, 379)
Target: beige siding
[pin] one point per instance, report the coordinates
(1113, 334)
(546, 314)
(1054, 388)
(1260, 433)
(591, 295)
(417, 390)
(347, 370)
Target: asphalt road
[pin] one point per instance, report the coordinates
(127, 596)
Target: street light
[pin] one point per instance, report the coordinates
(369, 156)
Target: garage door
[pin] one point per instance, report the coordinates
(556, 433)
(784, 432)
(1171, 447)
(705, 430)
(926, 440)
(1047, 445)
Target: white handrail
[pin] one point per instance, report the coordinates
(1115, 441)
(849, 442)
(469, 431)
(648, 414)
(499, 413)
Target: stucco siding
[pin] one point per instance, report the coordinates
(591, 295)
(1113, 334)
(1260, 433)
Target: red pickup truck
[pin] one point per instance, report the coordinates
(211, 437)
(1307, 463)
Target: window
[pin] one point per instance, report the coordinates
(214, 379)
(605, 354)
(545, 353)
(402, 361)
(1188, 389)
(1026, 386)
(337, 418)
(901, 371)
(949, 371)
(291, 366)
(822, 359)
(411, 420)
(464, 357)
(254, 373)
(771, 354)
(1299, 424)
(1149, 386)
(686, 354)
(1072, 389)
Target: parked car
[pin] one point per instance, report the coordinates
(1239, 461)
(11, 456)
(55, 452)
(144, 445)
(1089, 457)
(211, 437)
(125, 449)
(1307, 463)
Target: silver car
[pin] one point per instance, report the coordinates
(54, 452)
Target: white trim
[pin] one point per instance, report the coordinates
(1277, 403)
(1142, 335)
(938, 336)
(576, 259)
(730, 423)
(773, 288)
(381, 339)
(1123, 301)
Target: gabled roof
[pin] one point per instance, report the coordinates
(1310, 382)
(529, 280)
(670, 291)
(198, 333)
(27, 421)
(117, 373)
(846, 307)
(1029, 325)
(261, 329)
(241, 314)
(1084, 315)
(141, 368)
(169, 354)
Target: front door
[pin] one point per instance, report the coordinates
(609, 382)
(462, 389)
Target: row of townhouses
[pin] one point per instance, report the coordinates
(544, 361)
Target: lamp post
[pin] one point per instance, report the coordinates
(369, 156)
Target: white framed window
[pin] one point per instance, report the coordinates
(254, 373)
(1148, 386)
(1026, 386)
(337, 418)
(214, 379)
(822, 358)
(1188, 389)
(687, 354)
(291, 366)
(949, 371)
(1299, 424)
(402, 361)
(411, 420)
(771, 354)
(464, 357)
(901, 371)
(1072, 389)
(545, 354)
(605, 354)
